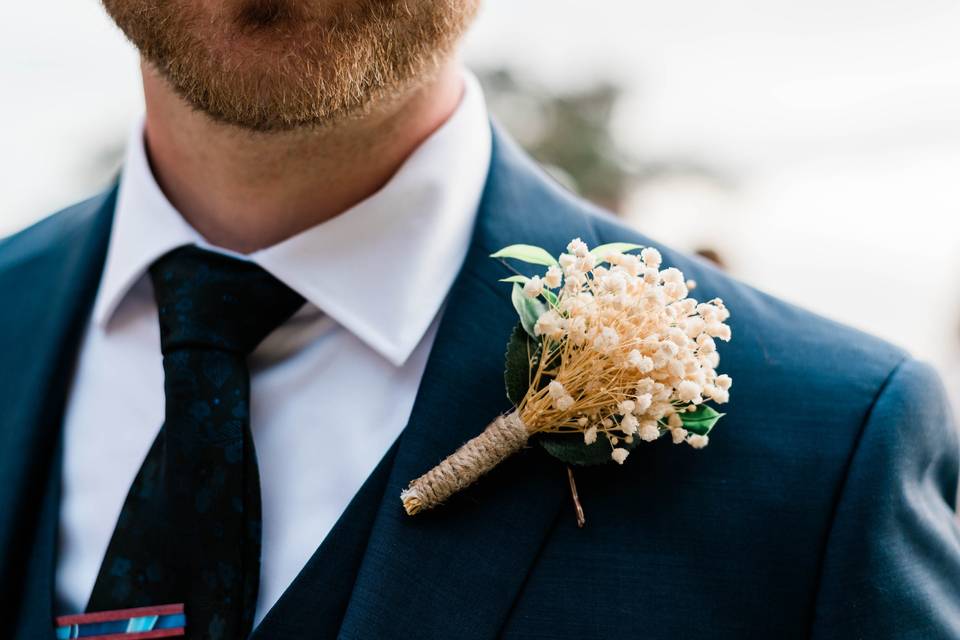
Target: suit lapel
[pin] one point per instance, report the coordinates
(455, 571)
(49, 275)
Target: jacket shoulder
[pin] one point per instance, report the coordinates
(57, 230)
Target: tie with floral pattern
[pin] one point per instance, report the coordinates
(190, 527)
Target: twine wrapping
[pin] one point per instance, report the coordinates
(502, 438)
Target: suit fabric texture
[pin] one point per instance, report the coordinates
(823, 507)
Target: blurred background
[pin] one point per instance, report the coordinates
(812, 148)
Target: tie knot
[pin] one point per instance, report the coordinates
(211, 301)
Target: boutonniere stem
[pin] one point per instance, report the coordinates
(577, 507)
(502, 438)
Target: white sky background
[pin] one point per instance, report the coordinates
(839, 121)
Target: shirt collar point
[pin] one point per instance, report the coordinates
(106, 306)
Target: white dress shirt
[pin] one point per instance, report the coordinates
(331, 389)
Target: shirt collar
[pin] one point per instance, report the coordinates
(381, 269)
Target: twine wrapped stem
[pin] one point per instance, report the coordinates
(502, 438)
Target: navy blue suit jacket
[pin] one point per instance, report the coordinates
(822, 508)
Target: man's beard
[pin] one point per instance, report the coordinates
(271, 65)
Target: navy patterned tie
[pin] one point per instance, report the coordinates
(189, 531)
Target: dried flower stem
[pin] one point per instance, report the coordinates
(581, 519)
(502, 438)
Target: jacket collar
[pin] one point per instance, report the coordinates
(51, 273)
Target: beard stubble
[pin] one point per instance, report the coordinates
(274, 65)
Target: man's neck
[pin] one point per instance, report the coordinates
(246, 190)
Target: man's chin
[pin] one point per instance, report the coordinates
(276, 65)
(260, 15)
(263, 102)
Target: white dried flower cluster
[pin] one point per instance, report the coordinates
(635, 351)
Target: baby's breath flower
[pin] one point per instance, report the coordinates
(556, 389)
(724, 381)
(533, 287)
(549, 324)
(717, 394)
(613, 283)
(676, 368)
(586, 263)
(708, 312)
(675, 291)
(722, 312)
(679, 434)
(719, 330)
(668, 349)
(685, 308)
(578, 247)
(671, 275)
(646, 365)
(553, 277)
(629, 424)
(642, 403)
(658, 410)
(651, 257)
(649, 431)
(689, 391)
(563, 403)
(654, 297)
(590, 435)
(661, 392)
(710, 360)
(631, 264)
(645, 386)
(619, 455)
(572, 285)
(577, 330)
(697, 441)
(613, 257)
(626, 406)
(607, 340)
(693, 327)
(706, 344)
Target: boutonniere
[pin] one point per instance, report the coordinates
(610, 352)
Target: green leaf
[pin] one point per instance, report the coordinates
(570, 448)
(521, 349)
(550, 296)
(526, 253)
(517, 279)
(700, 421)
(601, 252)
(529, 309)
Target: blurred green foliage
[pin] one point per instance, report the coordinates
(570, 133)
